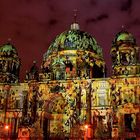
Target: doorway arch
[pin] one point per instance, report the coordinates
(54, 117)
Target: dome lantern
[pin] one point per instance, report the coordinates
(75, 25)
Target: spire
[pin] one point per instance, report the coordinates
(123, 28)
(75, 15)
(9, 40)
(75, 25)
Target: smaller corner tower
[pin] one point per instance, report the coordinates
(9, 64)
(124, 54)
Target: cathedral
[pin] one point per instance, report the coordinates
(70, 97)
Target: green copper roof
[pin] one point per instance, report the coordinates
(74, 40)
(8, 48)
(125, 36)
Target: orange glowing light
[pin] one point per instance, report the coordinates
(6, 127)
(86, 126)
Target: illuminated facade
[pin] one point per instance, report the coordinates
(70, 96)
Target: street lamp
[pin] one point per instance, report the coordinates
(86, 131)
(6, 127)
(86, 126)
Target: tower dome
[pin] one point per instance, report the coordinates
(124, 53)
(76, 53)
(9, 64)
(124, 37)
(8, 48)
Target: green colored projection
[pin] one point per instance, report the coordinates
(8, 48)
(74, 40)
(124, 36)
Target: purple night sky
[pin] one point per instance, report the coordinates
(33, 24)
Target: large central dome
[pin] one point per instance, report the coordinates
(73, 54)
(74, 39)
